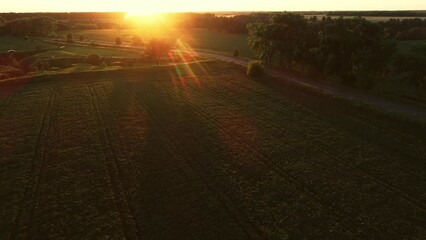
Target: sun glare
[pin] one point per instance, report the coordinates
(142, 13)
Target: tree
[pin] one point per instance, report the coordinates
(137, 41)
(284, 36)
(69, 38)
(156, 49)
(255, 69)
(355, 50)
(410, 69)
(93, 59)
(36, 26)
(260, 41)
(118, 40)
(352, 50)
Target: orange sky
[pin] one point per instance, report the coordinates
(200, 5)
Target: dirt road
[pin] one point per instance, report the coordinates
(386, 105)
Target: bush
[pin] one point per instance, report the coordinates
(118, 41)
(93, 59)
(69, 38)
(236, 53)
(29, 64)
(255, 68)
(81, 38)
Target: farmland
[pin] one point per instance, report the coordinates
(195, 38)
(169, 153)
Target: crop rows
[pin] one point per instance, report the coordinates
(328, 137)
(151, 156)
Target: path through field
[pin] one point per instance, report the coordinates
(151, 155)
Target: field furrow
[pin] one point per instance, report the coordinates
(307, 175)
(200, 151)
(233, 86)
(237, 174)
(25, 118)
(114, 172)
(74, 195)
(389, 166)
(192, 154)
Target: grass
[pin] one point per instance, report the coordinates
(195, 38)
(20, 44)
(70, 50)
(79, 51)
(208, 153)
(406, 46)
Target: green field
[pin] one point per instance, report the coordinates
(406, 46)
(20, 44)
(153, 154)
(80, 51)
(195, 38)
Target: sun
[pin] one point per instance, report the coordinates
(144, 8)
(142, 13)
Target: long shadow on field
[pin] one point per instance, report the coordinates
(166, 172)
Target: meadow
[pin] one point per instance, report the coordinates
(193, 38)
(201, 151)
(406, 46)
(222, 42)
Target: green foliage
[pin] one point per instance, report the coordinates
(255, 69)
(36, 26)
(29, 64)
(260, 41)
(93, 59)
(410, 68)
(69, 38)
(285, 36)
(355, 51)
(156, 48)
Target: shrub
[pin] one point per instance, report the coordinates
(69, 37)
(255, 68)
(118, 41)
(29, 64)
(236, 53)
(93, 59)
(81, 38)
(43, 65)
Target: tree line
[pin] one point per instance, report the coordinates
(354, 51)
(406, 29)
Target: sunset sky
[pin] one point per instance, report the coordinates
(204, 5)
